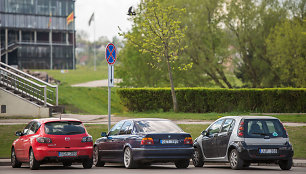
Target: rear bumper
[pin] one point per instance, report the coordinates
(162, 154)
(52, 154)
(251, 153)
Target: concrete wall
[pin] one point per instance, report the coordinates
(18, 106)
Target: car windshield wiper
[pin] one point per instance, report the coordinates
(258, 133)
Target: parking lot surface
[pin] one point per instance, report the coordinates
(168, 169)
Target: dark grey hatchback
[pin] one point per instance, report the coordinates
(144, 141)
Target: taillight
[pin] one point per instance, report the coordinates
(188, 140)
(43, 140)
(147, 141)
(241, 129)
(86, 139)
(284, 128)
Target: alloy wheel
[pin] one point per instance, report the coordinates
(127, 157)
(233, 159)
(96, 156)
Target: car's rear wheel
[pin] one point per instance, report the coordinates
(285, 164)
(96, 158)
(34, 164)
(246, 164)
(87, 164)
(197, 158)
(67, 163)
(235, 161)
(128, 160)
(14, 162)
(182, 164)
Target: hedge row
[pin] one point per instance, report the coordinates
(202, 100)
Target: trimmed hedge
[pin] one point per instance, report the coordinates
(200, 100)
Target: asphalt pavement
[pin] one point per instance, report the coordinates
(158, 169)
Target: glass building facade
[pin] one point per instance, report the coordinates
(35, 34)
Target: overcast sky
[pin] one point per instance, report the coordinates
(109, 14)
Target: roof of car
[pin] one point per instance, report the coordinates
(148, 119)
(45, 120)
(250, 117)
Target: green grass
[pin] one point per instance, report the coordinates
(296, 134)
(88, 100)
(80, 75)
(205, 116)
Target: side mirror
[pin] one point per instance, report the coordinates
(103, 134)
(204, 133)
(18, 133)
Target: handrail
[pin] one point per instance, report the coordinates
(34, 78)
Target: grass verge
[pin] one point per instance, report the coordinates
(205, 116)
(296, 135)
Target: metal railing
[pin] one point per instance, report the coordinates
(28, 85)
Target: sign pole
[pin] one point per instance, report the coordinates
(109, 100)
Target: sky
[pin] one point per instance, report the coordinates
(109, 14)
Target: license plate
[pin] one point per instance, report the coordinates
(62, 154)
(169, 141)
(267, 151)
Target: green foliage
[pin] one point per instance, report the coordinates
(286, 47)
(201, 100)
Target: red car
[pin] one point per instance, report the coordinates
(52, 140)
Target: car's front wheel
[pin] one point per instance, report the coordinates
(34, 164)
(235, 161)
(285, 164)
(128, 160)
(14, 162)
(197, 158)
(96, 158)
(182, 164)
(87, 164)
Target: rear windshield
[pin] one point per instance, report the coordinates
(64, 128)
(162, 126)
(258, 128)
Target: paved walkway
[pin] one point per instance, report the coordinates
(103, 119)
(96, 83)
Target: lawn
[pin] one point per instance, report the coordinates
(205, 116)
(80, 75)
(297, 136)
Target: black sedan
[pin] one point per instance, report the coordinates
(136, 142)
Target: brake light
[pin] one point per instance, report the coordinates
(147, 141)
(241, 129)
(188, 140)
(86, 139)
(43, 140)
(284, 128)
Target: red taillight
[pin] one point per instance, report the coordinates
(188, 140)
(147, 141)
(241, 129)
(43, 140)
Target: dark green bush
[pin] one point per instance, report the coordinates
(215, 100)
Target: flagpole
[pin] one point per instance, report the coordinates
(94, 43)
(51, 48)
(73, 39)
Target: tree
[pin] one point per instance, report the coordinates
(286, 50)
(161, 36)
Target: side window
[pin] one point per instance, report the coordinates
(32, 128)
(115, 130)
(26, 129)
(215, 128)
(226, 125)
(125, 128)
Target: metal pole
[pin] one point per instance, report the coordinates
(109, 102)
(56, 96)
(94, 44)
(6, 46)
(73, 39)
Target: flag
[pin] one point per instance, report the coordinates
(70, 18)
(91, 18)
(50, 20)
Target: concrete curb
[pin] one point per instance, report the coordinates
(296, 163)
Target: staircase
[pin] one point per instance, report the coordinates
(34, 91)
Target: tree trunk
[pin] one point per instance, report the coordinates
(215, 79)
(175, 106)
(223, 77)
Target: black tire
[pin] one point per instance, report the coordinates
(34, 164)
(67, 163)
(128, 160)
(235, 161)
(285, 164)
(87, 164)
(14, 162)
(182, 164)
(197, 158)
(96, 158)
(246, 164)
